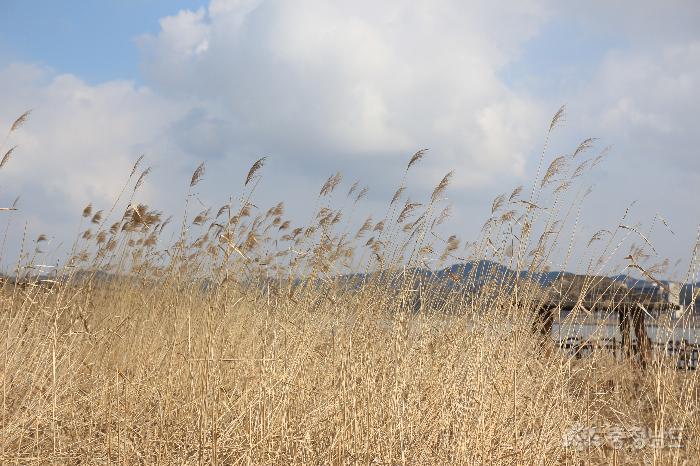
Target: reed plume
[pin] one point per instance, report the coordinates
(254, 169)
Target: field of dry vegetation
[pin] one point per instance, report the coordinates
(244, 341)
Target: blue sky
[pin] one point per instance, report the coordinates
(93, 39)
(321, 86)
(562, 54)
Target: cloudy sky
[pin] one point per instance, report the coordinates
(321, 86)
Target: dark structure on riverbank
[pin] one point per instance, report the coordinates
(588, 294)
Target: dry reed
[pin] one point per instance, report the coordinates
(251, 340)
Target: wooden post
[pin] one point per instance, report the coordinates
(640, 331)
(544, 320)
(623, 312)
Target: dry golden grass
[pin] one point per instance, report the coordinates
(242, 343)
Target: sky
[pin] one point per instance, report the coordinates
(356, 87)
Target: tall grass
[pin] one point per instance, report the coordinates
(251, 340)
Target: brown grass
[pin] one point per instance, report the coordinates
(245, 342)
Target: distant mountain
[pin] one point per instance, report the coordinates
(465, 276)
(546, 278)
(473, 275)
(476, 273)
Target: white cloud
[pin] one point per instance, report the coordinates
(365, 79)
(646, 101)
(79, 144)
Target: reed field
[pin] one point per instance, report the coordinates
(233, 335)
